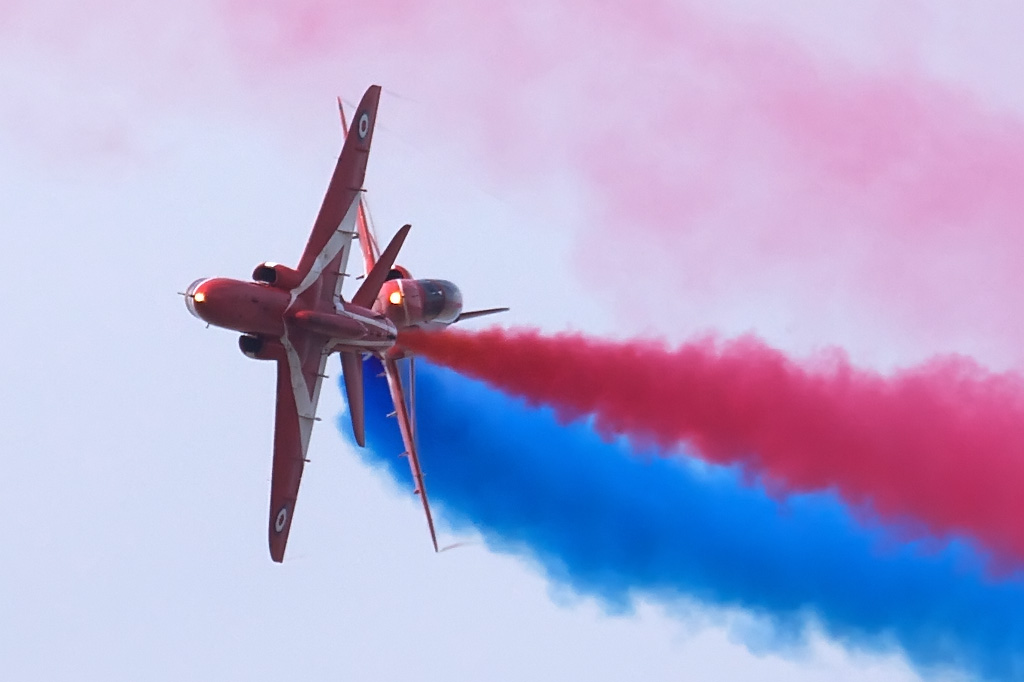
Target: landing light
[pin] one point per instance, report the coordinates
(199, 298)
(395, 297)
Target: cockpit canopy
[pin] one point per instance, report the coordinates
(442, 300)
(419, 302)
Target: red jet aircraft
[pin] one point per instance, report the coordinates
(298, 318)
(408, 302)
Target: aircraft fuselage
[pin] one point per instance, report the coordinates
(261, 309)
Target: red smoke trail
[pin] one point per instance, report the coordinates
(942, 443)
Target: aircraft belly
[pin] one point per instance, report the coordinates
(243, 306)
(345, 328)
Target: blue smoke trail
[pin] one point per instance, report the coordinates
(611, 523)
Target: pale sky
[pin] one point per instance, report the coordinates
(143, 148)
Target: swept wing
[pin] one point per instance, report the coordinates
(302, 355)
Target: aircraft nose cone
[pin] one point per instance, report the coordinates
(195, 296)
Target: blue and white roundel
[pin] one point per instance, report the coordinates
(282, 518)
(364, 125)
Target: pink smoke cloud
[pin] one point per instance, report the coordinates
(754, 177)
(890, 196)
(749, 180)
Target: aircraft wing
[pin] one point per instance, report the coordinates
(329, 244)
(300, 372)
(406, 426)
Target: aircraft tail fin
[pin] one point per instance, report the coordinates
(375, 279)
(352, 370)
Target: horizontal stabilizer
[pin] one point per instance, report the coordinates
(479, 313)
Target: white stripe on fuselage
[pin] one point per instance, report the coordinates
(306, 400)
(305, 404)
(340, 242)
(384, 325)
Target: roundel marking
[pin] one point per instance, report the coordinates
(364, 125)
(282, 518)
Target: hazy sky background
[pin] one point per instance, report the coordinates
(657, 171)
